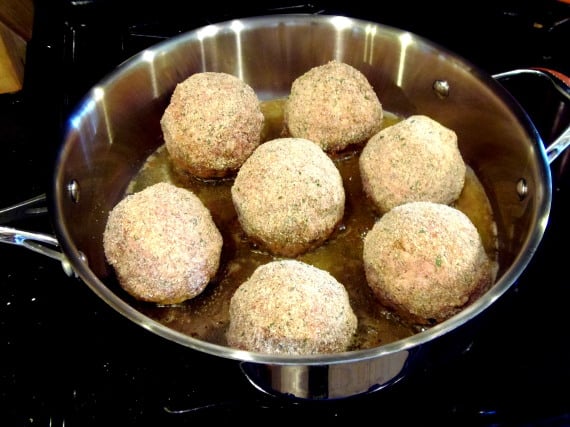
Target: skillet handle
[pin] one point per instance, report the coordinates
(561, 83)
(41, 243)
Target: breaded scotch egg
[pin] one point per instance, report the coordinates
(417, 159)
(290, 307)
(289, 196)
(212, 124)
(163, 244)
(426, 261)
(333, 105)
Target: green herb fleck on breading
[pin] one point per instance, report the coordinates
(438, 261)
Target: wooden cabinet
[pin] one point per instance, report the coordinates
(16, 22)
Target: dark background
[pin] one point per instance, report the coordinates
(70, 360)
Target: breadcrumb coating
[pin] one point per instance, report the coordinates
(290, 307)
(289, 196)
(163, 244)
(212, 124)
(333, 105)
(417, 159)
(426, 261)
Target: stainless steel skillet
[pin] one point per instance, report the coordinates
(116, 127)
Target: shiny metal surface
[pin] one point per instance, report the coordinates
(328, 381)
(562, 84)
(116, 127)
(41, 243)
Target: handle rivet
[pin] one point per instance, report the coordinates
(73, 191)
(522, 188)
(441, 88)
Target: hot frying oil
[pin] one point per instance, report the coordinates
(206, 317)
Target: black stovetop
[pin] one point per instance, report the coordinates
(71, 360)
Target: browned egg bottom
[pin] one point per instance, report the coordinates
(206, 317)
